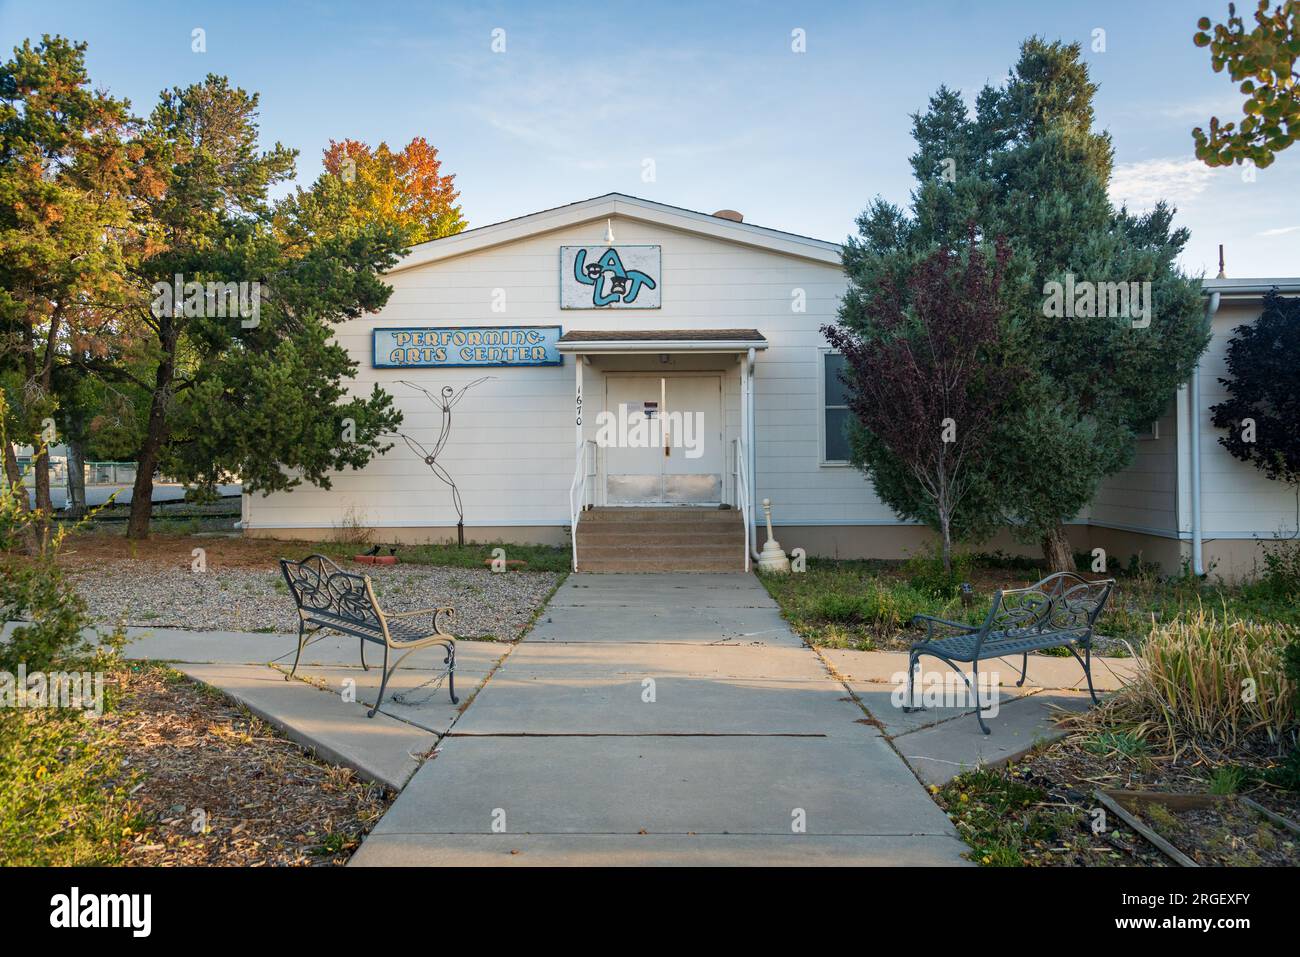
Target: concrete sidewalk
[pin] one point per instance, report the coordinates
(663, 719)
(325, 709)
(941, 742)
(646, 720)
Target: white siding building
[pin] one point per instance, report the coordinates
(1186, 502)
(694, 314)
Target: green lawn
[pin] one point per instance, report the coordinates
(867, 605)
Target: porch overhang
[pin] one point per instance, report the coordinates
(649, 342)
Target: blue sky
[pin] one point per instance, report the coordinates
(585, 93)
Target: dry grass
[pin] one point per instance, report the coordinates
(1205, 683)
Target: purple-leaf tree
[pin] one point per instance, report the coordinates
(926, 382)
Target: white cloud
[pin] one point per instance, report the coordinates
(1280, 231)
(1140, 185)
(1226, 107)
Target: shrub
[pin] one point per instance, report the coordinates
(925, 573)
(1208, 681)
(33, 588)
(1281, 576)
(62, 792)
(61, 787)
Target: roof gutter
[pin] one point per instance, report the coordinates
(650, 347)
(1194, 400)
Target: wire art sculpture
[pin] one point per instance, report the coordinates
(446, 400)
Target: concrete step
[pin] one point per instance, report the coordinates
(657, 535)
(661, 540)
(661, 552)
(665, 516)
(629, 566)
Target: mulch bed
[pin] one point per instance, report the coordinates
(263, 801)
(1057, 814)
(1225, 835)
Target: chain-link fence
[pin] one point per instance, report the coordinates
(97, 473)
(110, 473)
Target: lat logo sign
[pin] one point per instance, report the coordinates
(609, 277)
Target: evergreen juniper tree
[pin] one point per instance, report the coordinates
(1027, 167)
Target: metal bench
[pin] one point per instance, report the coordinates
(1058, 612)
(328, 598)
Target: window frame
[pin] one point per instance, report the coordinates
(822, 408)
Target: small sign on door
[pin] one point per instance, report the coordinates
(651, 410)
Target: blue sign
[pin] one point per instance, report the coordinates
(467, 346)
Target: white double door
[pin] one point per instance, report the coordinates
(665, 446)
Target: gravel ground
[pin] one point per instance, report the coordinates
(488, 605)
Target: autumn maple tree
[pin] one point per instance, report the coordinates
(363, 186)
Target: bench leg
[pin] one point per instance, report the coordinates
(364, 666)
(1086, 662)
(450, 662)
(974, 683)
(1024, 670)
(909, 703)
(296, 657)
(383, 683)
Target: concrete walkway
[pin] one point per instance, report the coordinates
(662, 719)
(646, 719)
(941, 742)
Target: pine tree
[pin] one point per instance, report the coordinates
(67, 166)
(1027, 168)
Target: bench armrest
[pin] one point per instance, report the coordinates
(447, 610)
(931, 621)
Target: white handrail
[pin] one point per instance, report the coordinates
(742, 493)
(579, 476)
(578, 494)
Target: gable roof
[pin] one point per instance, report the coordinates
(627, 207)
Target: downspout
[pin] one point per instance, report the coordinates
(1194, 399)
(750, 453)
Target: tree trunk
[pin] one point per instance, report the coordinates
(137, 526)
(1057, 551)
(945, 530)
(41, 471)
(76, 480)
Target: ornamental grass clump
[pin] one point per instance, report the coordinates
(1208, 683)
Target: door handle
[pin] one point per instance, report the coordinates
(667, 445)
